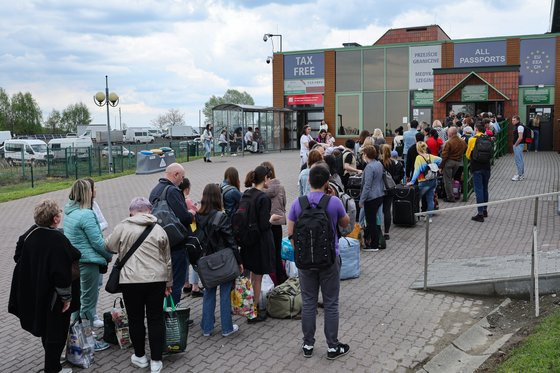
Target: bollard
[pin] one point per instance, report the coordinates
(31, 171)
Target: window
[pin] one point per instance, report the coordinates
(348, 71)
(397, 68)
(397, 109)
(348, 115)
(374, 107)
(14, 147)
(374, 70)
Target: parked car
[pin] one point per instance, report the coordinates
(117, 151)
(184, 145)
(1, 152)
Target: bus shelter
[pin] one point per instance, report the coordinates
(270, 126)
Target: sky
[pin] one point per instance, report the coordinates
(162, 54)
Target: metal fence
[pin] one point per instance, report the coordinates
(75, 163)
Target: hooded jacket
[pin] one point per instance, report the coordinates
(277, 195)
(83, 231)
(151, 262)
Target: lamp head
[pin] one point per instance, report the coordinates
(99, 97)
(268, 59)
(265, 37)
(113, 99)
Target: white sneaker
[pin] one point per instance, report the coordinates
(98, 323)
(516, 178)
(66, 370)
(140, 362)
(156, 366)
(235, 328)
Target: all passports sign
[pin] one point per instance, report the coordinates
(491, 53)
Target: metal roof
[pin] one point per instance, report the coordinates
(249, 108)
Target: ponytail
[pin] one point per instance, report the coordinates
(249, 179)
(257, 176)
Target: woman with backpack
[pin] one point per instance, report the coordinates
(426, 174)
(219, 236)
(277, 194)
(230, 191)
(371, 196)
(396, 172)
(258, 257)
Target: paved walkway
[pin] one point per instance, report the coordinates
(388, 326)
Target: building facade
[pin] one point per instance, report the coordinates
(419, 73)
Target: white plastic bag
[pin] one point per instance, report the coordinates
(266, 286)
(291, 269)
(80, 344)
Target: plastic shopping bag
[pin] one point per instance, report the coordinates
(242, 298)
(176, 327)
(266, 286)
(80, 344)
(291, 269)
(120, 319)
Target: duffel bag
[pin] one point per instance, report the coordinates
(284, 301)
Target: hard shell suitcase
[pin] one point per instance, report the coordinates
(406, 202)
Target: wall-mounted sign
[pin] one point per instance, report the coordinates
(422, 62)
(471, 93)
(489, 53)
(305, 100)
(303, 86)
(536, 96)
(538, 61)
(423, 98)
(304, 66)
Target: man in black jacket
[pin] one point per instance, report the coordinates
(174, 174)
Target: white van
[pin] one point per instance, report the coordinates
(33, 150)
(76, 146)
(138, 135)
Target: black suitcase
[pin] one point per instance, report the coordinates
(406, 202)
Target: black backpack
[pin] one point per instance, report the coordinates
(313, 236)
(527, 134)
(244, 221)
(483, 149)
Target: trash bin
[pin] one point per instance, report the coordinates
(193, 148)
(147, 162)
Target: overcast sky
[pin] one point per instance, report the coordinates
(165, 54)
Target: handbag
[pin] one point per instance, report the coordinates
(432, 171)
(176, 321)
(242, 298)
(112, 285)
(218, 268)
(80, 344)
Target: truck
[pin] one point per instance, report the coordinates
(182, 132)
(5, 135)
(101, 137)
(138, 135)
(90, 130)
(72, 146)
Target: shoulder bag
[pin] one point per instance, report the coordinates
(112, 285)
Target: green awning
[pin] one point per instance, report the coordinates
(464, 80)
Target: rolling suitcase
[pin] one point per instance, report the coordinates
(406, 202)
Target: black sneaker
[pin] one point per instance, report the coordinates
(261, 316)
(335, 352)
(478, 218)
(307, 350)
(208, 160)
(485, 214)
(386, 236)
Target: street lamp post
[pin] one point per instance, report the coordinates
(266, 36)
(107, 99)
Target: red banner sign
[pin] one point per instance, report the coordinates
(305, 100)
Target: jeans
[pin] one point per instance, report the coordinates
(140, 299)
(89, 290)
(328, 280)
(207, 149)
(209, 307)
(223, 146)
(535, 144)
(373, 232)
(518, 156)
(449, 171)
(428, 188)
(179, 267)
(480, 181)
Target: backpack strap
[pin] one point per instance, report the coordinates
(163, 194)
(303, 202)
(226, 189)
(323, 203)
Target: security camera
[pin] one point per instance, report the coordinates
(265, 37)
(268, 60)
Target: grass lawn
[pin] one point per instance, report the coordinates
(540, 352)
(17, 191)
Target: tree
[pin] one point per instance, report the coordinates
(173, 117)
(5, 111)
(26, 115)
(232, 96)
(54, 121)
(73, 115)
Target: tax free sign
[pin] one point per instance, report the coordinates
(304, 66)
